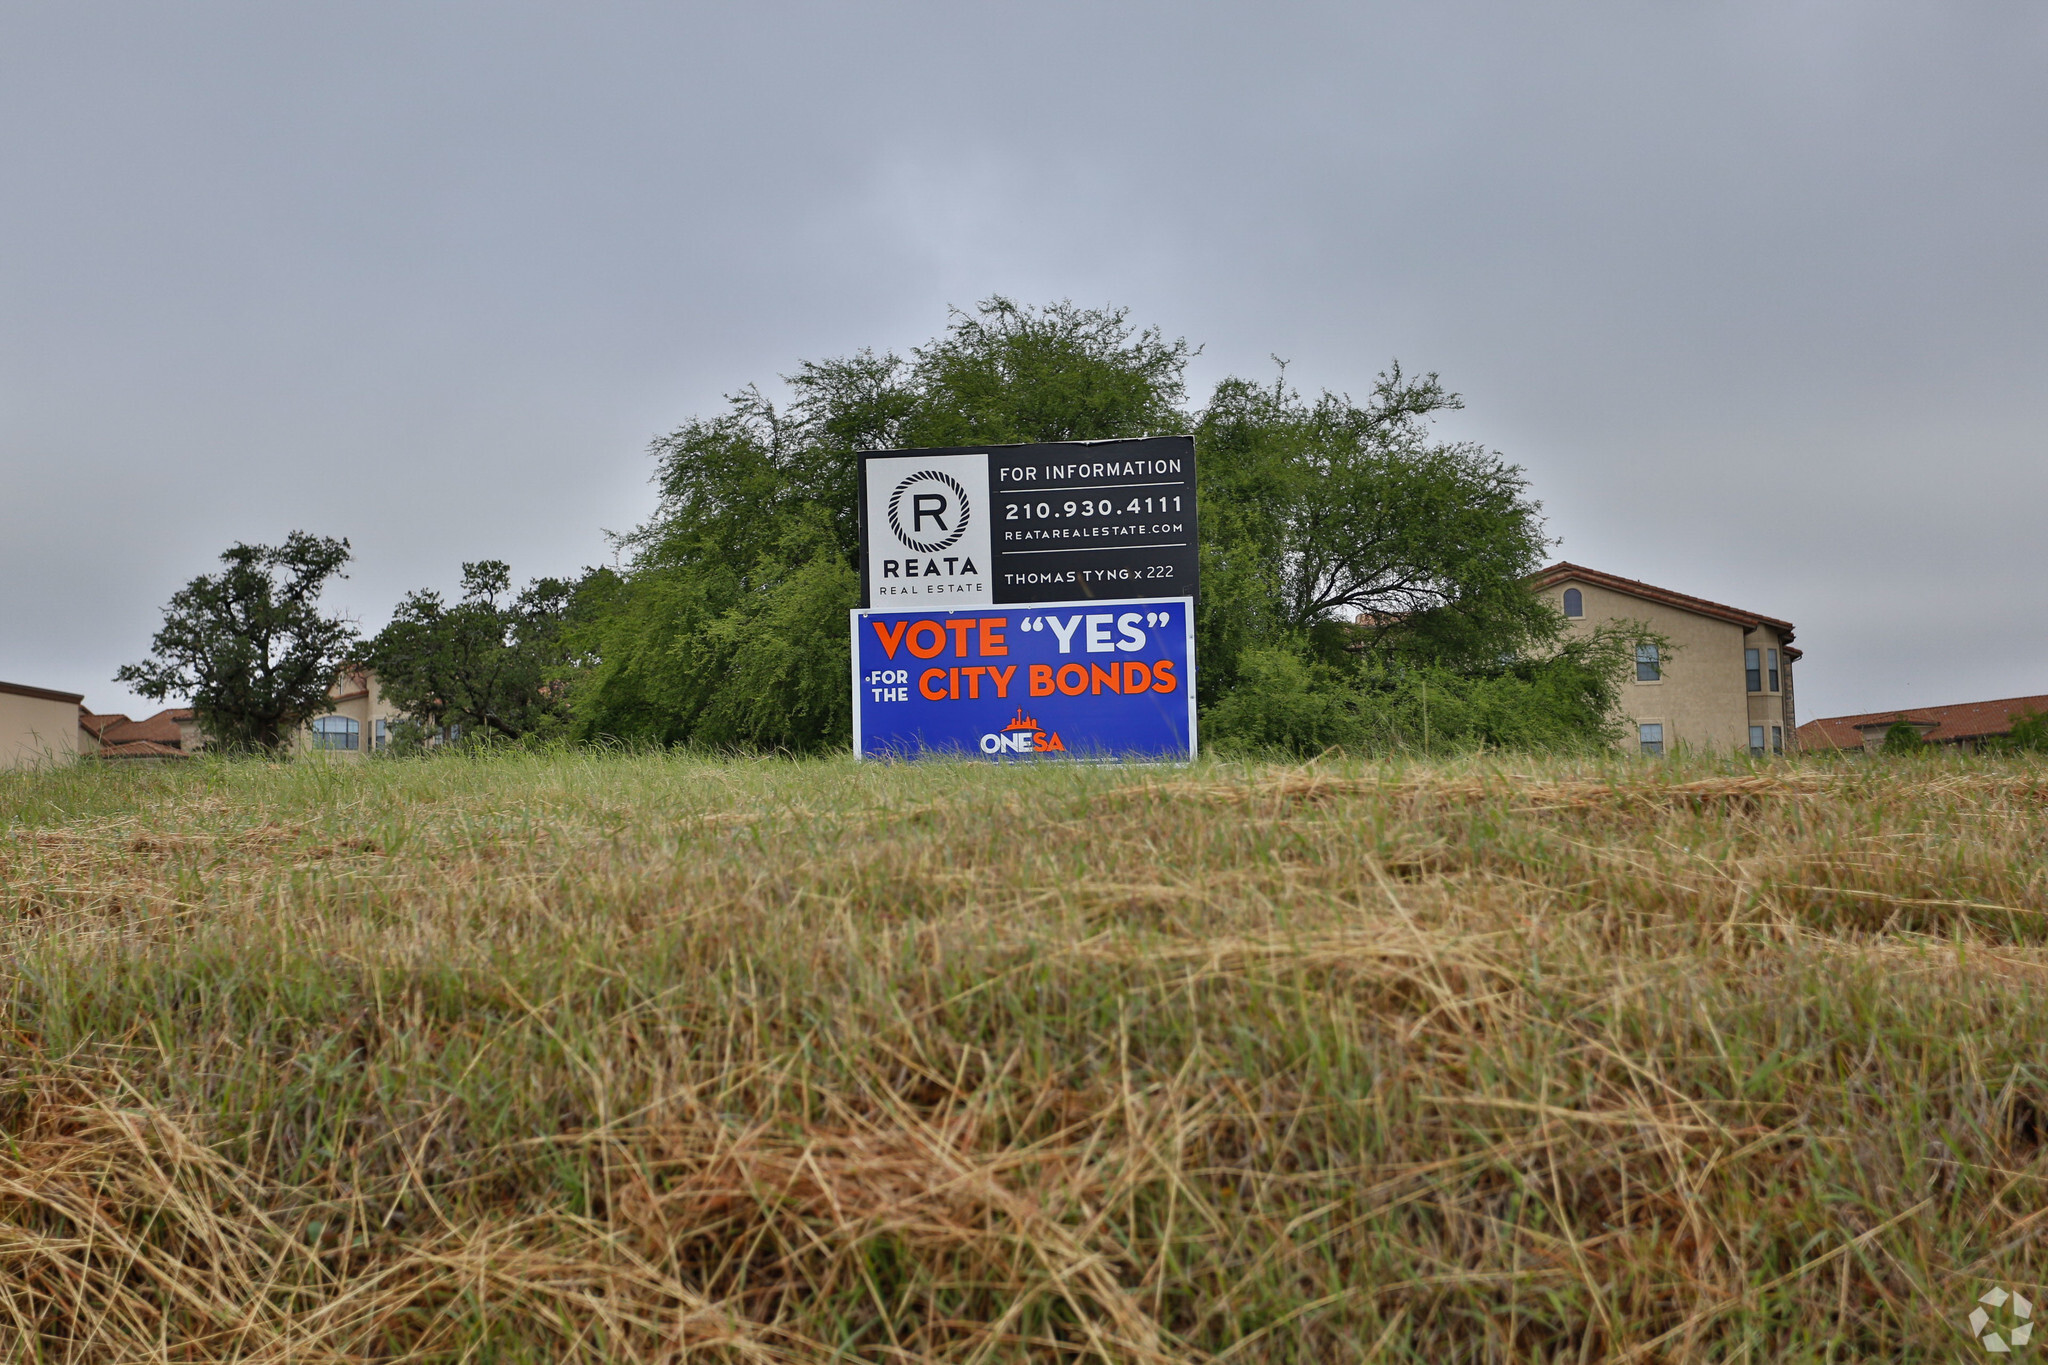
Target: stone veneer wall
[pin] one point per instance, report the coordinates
(1791, 714)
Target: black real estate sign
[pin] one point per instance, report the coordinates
(1062, 521)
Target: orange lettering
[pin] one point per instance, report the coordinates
(1137, 677)
(960, 625)
(1101, 677)
(924, 684)
(918, 629)
(1080, 680)
(1041, 680)
(973, 674)
(1001, 678)
(992, 643)
(954, 694)
(1162, 676)
(890, 638)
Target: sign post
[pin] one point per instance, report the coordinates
(1092, 544)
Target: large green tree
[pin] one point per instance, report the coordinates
(728, 627)
(1347, 528)
(250, 646)
(1353, 565)
(491, 662)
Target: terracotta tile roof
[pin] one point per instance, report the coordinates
(1964, 720)
(1749, 620)
(161, 728)
(97, 726)
(141, 748)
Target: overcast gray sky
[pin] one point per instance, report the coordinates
(1755, 292)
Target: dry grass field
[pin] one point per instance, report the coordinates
(617, 1058)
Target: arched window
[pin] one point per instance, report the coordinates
(1574, 603)
(335, 732)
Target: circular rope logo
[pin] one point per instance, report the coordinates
(936, 506)
(2012, 1326)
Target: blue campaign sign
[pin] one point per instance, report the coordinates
(1078, 679)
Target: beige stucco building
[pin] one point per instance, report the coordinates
(39, 726)
(1726, 681)
(360, 723)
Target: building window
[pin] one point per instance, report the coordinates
(1777, 739)
(1574, 603)
(335, 732)
(383, 739)
(1774, 670)
(1756, 741)
(1753, 669)
(1651, 735)
(1648, 668)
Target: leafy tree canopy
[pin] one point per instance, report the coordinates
(728, 625)
(490, 662)
(2029, 734)
(249, 646)
(1903, 737)
(1345, 525)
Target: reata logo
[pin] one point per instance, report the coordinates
(936, 506)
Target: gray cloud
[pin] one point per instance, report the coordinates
(1755, 292)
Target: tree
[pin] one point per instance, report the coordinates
(249, 646)
(2029, 733)
(1346, 523)
(489, 662)
(1903, 737)
(1566, 697)
(1357, 572)
(729, 624)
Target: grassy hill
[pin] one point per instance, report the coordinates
(586, 1057)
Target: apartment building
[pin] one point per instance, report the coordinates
(1963, 725)
(1726, 681)
(38, 726)
(360, 723)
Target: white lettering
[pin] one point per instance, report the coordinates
(1066, 632)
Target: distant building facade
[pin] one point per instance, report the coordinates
(1965, 725)
(168, 735)
(1726, 682)
(361, 723)
(39, 726)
